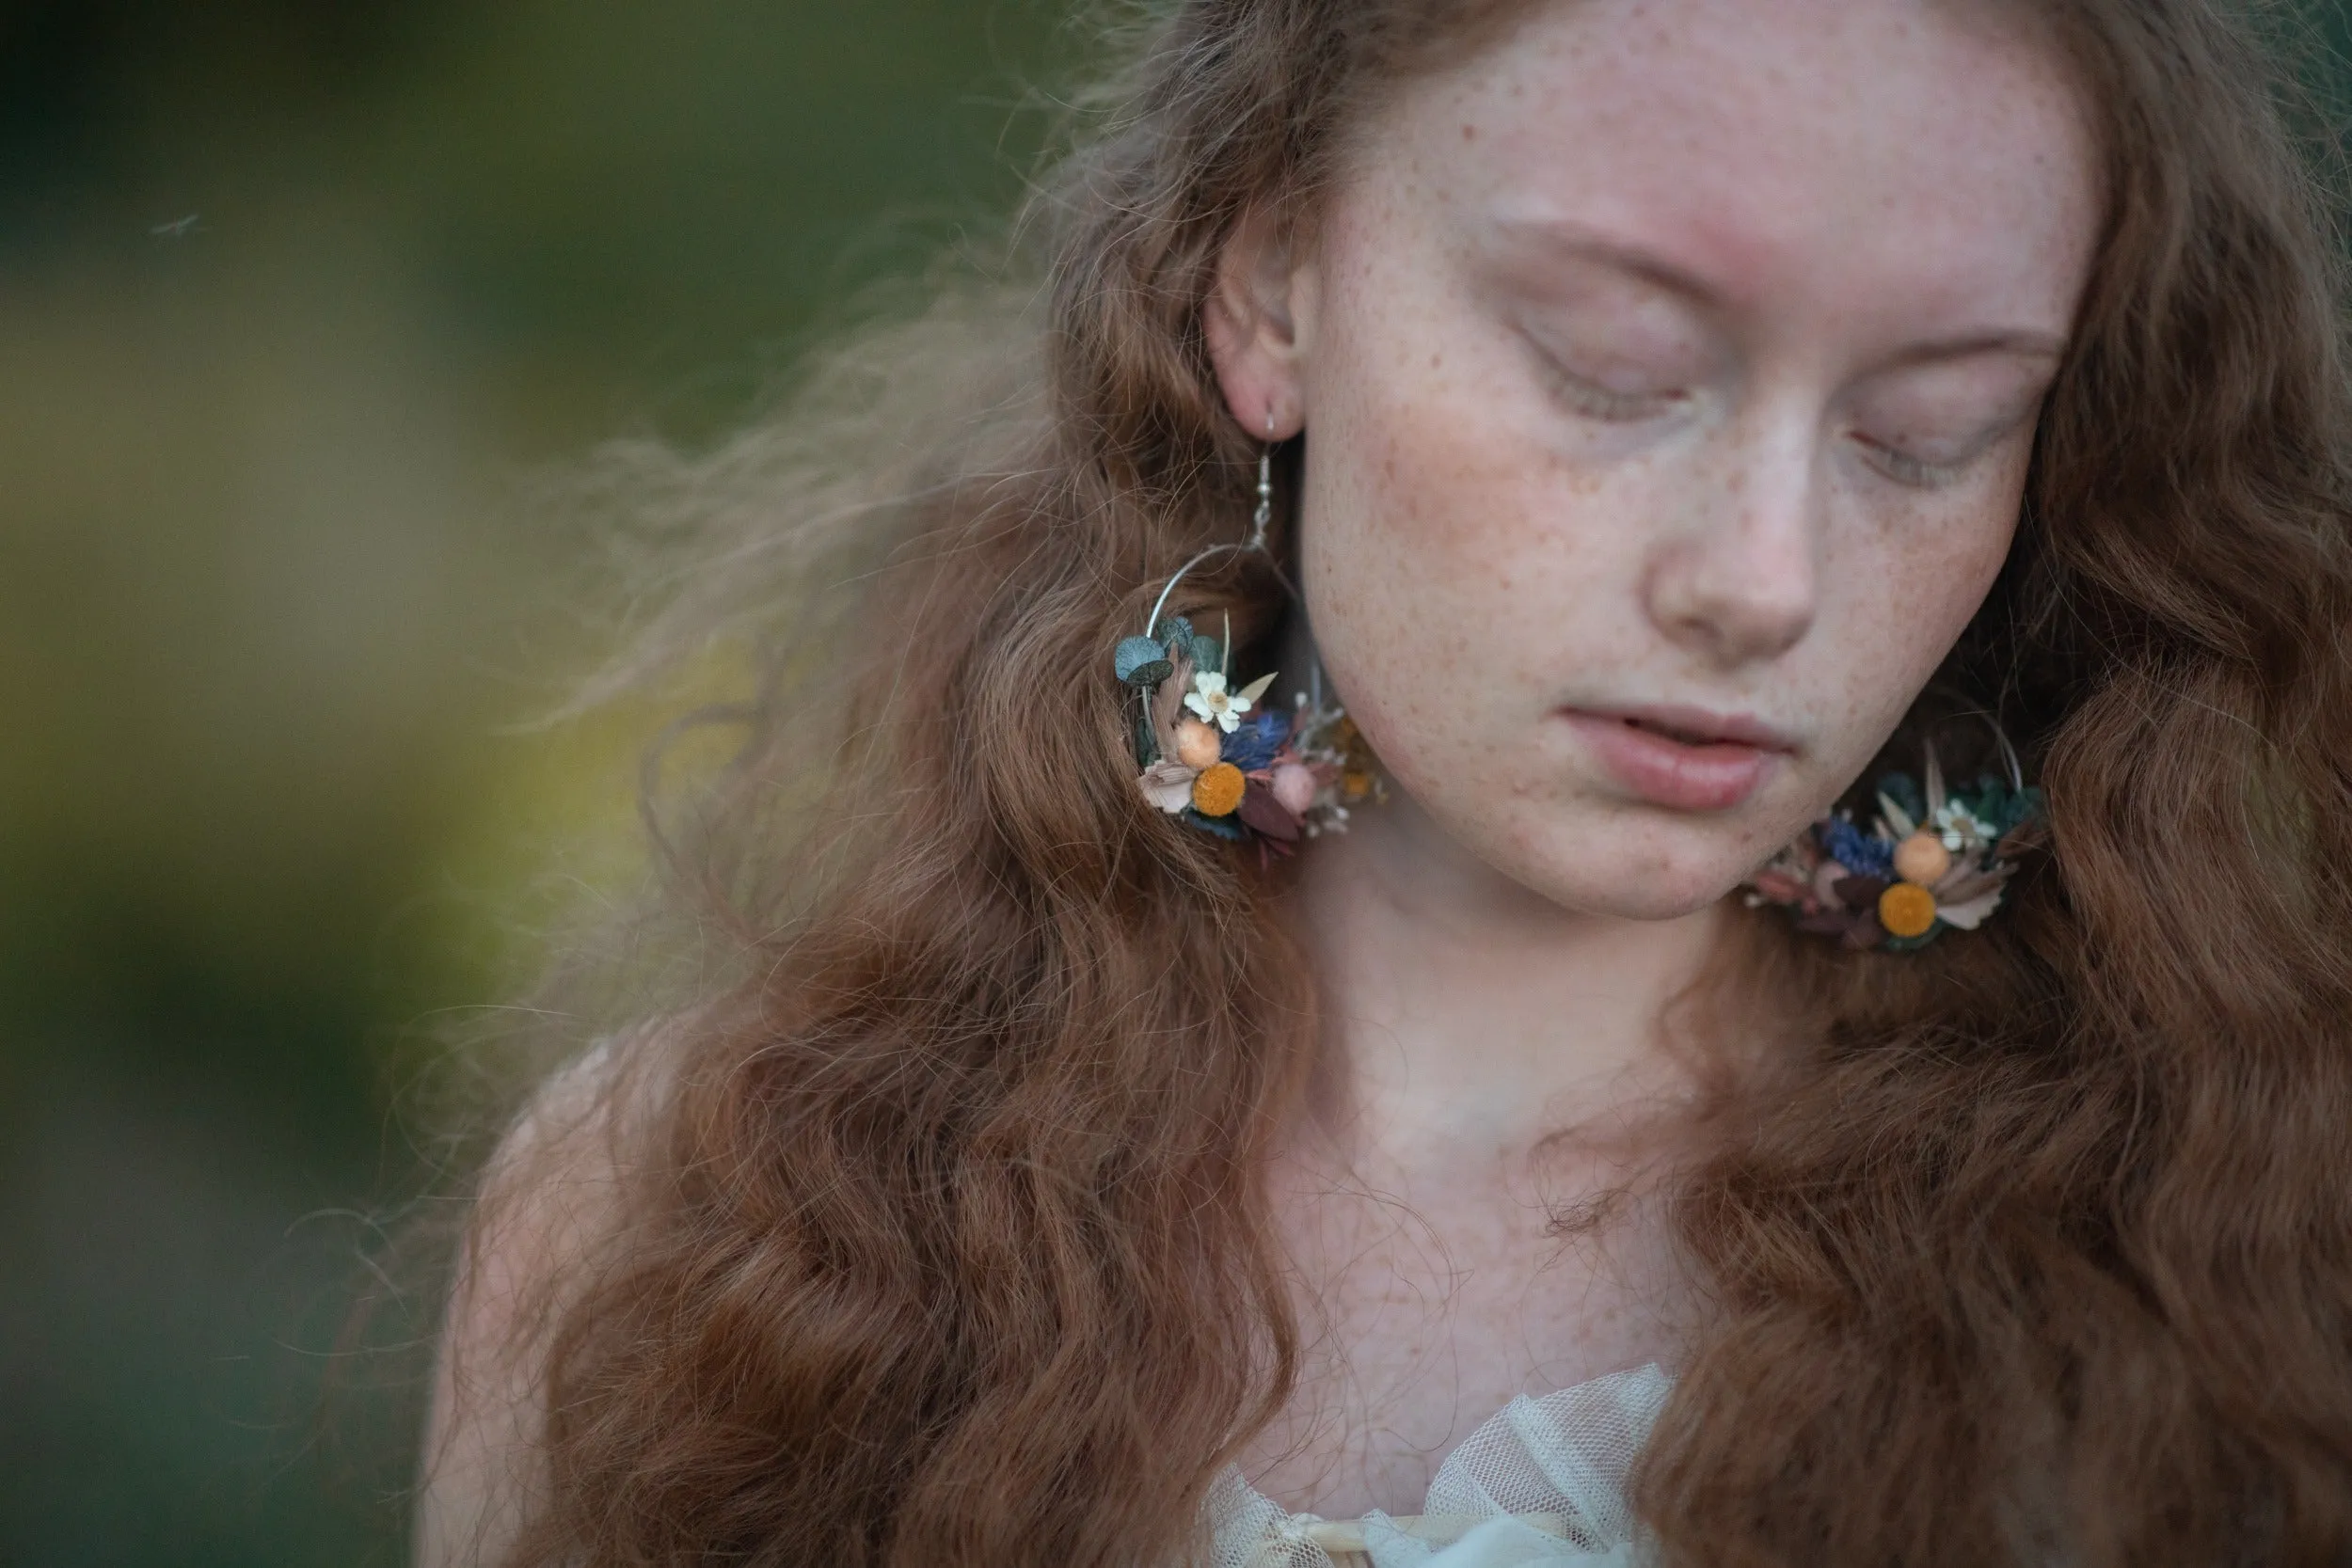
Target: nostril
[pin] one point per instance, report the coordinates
(1741, 624)
(1740, 581)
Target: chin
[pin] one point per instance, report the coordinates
(1662, 872)
(1632, 900)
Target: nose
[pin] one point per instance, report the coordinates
(1737, 581)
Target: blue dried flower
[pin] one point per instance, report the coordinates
(1253, 744)
(1857, 852)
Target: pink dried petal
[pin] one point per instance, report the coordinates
(1295, 786)
(1261, 811)
(1167, 784)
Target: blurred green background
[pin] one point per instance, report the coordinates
(295, 297)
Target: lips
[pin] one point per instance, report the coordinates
(1685, 759)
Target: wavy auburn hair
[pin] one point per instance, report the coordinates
(942, 1234)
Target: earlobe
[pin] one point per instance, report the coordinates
(1253, 323)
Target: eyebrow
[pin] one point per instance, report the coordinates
(1568, 237)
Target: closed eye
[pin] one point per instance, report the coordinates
(1919, 471)
(1931, 424)
(1911, 469)
(1594, 400)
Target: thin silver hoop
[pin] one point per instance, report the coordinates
(1261, 522)
(2009, 761)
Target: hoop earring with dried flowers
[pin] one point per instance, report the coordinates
(1211, 753)
(1934, 858)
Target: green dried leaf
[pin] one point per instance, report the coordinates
(1142, 661)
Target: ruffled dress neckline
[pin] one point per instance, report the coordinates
(1542, 1482)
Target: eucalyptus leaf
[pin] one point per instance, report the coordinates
(1142, 661)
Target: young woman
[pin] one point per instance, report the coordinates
(1651, 1128)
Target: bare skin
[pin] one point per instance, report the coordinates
(1668, 378)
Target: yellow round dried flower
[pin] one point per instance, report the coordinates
(1907, 909)
(1218, 790)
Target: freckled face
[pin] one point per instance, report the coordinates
(1669, 377)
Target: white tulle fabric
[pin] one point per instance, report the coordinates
(1544, 1481)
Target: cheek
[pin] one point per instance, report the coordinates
(1419, 548)
(1951, 583)
(1454, 580)
(1928, 572)
(1383, 562)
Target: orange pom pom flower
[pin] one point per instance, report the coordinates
(1907, 909)
(1218, 790)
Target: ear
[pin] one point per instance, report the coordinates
(1259, 320)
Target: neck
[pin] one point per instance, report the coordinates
(1468, 1017)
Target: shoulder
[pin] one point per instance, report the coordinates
(551, 1207)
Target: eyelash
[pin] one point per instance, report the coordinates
(1916, 472)
(1920, 474)
(1596, 401)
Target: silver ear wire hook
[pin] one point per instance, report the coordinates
(1265, 515)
